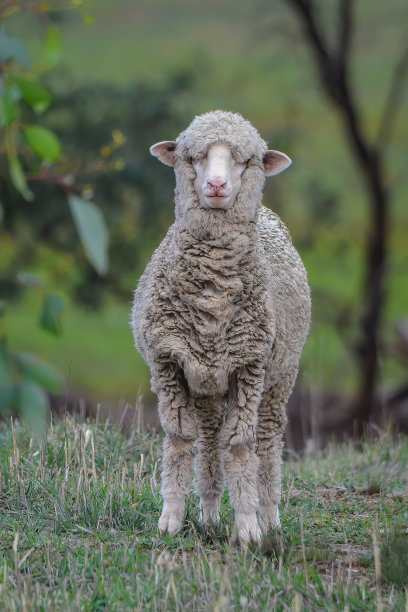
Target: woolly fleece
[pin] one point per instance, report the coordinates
(220, 315)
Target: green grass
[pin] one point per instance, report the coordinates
(78, 524)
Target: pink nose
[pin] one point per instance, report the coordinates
(217, 183)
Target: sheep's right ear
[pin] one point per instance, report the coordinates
(275, 162)
(165, 152)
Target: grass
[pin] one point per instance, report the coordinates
(78, 524)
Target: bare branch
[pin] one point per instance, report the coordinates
(333, 67)
(345, 30)
(333, 76)
(312, 30)
(393, 100)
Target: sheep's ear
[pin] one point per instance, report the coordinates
(164, 151)
(275, 162)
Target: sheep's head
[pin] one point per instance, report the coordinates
(220, 163)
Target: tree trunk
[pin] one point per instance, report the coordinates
(333, 66)
(367, 403)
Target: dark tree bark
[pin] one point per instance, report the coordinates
(333, 69)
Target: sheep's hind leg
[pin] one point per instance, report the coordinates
(179, 425)
(241, 461)
(271, 428)
(208, 462)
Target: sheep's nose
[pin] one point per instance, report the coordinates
(216, 183)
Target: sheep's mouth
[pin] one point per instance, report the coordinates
(217, 202)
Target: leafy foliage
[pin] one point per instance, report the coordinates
(92, 230)
(135, 197)
(42, 142)
(53, 306)
(23, 379)
(32, 152)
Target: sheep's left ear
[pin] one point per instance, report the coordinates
(164, 151)
(275, 162)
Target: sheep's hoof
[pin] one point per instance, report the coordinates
(171, 519)
(248, 528)
(268, 518)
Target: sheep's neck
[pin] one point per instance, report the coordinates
(208, 275)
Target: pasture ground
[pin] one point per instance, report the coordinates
(78, 529)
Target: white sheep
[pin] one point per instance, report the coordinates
(220, 315)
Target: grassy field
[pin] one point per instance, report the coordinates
(78, 524)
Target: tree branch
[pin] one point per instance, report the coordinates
(333, 68)
(311, 27)
(345, 31)
(393, 100)
(333, 77)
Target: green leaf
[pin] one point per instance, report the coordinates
(30, 280)
(43, 142)
(6, 376)
(12, 48)
(18, 179)
(50, 319)
(33, 404)
(40, 372)
(53, 46)
(9, 111)
(34, 94)
(92, 230)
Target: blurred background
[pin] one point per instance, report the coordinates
(86, 88)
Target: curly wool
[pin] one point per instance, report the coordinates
(220, 315)
(222, 127)
(246, 145)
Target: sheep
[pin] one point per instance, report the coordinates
(221, 315)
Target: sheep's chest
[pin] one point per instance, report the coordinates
(216, 311)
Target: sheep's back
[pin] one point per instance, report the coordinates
(290, 293)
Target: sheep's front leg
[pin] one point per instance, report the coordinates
(271, 428)
(241, 461)
(209, 462)
(179, 426)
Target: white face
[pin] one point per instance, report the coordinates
(218, 178)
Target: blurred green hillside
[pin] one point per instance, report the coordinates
(146, 68)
